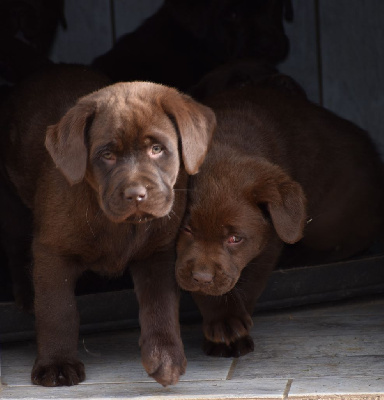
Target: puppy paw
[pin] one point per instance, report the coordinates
(164, 362)
(65, 373)
(236, 349)
(227, 330)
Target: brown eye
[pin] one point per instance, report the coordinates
(234, 239)
(107, 155)
(156, 149)
(187, 229)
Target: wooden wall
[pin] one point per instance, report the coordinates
(337, 49)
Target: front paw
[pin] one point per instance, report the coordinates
(164, 360)
(236, 349)
(227, 330)
(63, 373)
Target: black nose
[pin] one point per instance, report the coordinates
(137, 192)
(202, 276)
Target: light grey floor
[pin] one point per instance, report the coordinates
(327, 350)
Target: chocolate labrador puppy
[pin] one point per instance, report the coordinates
(280, 170)
(104, 171)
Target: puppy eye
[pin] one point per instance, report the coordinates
(187, 229)
(156, 149)
(108, 155)
(234, 239)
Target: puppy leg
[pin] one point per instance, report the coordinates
(235, 349)
(162, 350)
(227, 319)
(226, 324)
(57, 321)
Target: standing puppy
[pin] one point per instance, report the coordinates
(277, 162)
(104, 176)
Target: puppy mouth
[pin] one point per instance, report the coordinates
(157, 205)
(136, 213)
(214, 290)
(140, 218)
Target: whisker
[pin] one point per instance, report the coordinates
(148, 226)
(312, 217)
(90, 228)
(98, 214)
(174, 214)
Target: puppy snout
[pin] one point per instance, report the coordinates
(202, 277)
(135, 193)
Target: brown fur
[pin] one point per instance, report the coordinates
(277, 160)
(102, 196)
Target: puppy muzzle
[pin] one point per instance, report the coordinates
(137, 204)
(213, 282)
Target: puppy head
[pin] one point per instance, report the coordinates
(124, 141)
(232, 217)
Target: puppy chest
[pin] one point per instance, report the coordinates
(108, 265)
(108, 254)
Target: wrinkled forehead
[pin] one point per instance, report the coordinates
(129, 118)
(219, 216)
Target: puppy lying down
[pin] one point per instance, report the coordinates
(104, 172)
(280, 170)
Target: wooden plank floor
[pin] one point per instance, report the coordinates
(319, 351)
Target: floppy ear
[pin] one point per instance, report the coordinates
(285, 201)
(195, 123)
(65, 141)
